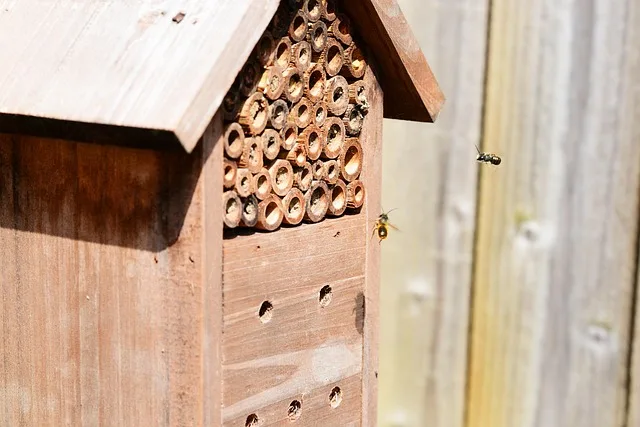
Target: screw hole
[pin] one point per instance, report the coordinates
(295, 410)
(265, 312)
(325, 296)
(252, 421)
(335, 397)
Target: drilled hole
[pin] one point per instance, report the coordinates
(282, 54)
(281, 177)
(319, 201)
(320, 114)
(325, 296)
(357, 59)
(295, 205)
(263, 184)
(245, 183)
(334, 57)
(234, 140)
(338, 92)
(335, 397)
(315, 83)
(314, 141)
(299, 29)
(351, 160)
(305, 176)
(252, 421)
(290, 136)
(314, 8)
(332, 170)
(265, 312)
(295, 410)
(343, 27)
(232, 207)
(334, 136)
(338, 198)
(303, 113)
(303, 55)
(228, 172)
(272, 213)
(358, 194)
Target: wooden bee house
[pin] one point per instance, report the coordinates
(188, 191)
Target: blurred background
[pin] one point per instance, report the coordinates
(509, 297)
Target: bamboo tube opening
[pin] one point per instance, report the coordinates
(317, 36)
(244, 182)
(301, 56)
(315, 80)
(337, 96)
(298, 27)
(358, 95)
(269, 213)
(230, 105)
(278, 113)
(265, 48)
(293, 207)
(316, 201)
(301, 113)
(355, 194)
(289, 135)
(262, 184)
(233, 140)
(311, 137)
(312, 9)
(320, 113)
(282, 54)
(272, 82)
(297, 155)
(341, 29)
(271, 143)
(333, 58)
(353, 120)
(232, 208)
(318, 170)
(293, 85)
(334, 137)
(249, 211)
(254, 114)
(281, 174)
(351, 159)
(252, 155)
(329, 10)
(331, 172)
(303, 176)
(338, 198)
(356, 63)
(250, 76)
(230, 171)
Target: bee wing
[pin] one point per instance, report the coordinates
(393, 226)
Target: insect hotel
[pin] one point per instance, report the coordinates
(188, 194)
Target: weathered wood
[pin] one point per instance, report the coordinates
(430, 176)
(110, 272)
(558, 220)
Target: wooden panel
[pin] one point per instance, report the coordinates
(430, 176)
(125, 63)
(558, 220)
(111, 281)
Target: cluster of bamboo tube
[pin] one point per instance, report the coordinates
(293, 119)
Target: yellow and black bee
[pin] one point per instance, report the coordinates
(488, 158)
(381, 226)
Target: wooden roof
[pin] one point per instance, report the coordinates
(71, 67)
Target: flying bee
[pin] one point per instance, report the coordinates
(381, 226)
(488, 157)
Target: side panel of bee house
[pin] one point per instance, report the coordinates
(303, 132)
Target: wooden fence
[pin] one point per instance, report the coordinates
(509, 296)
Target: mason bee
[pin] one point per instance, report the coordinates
(488, 157)
(382, 226)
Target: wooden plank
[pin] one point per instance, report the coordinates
(558, 220)
(111, 296)
(125, 63)
(430, 176)
(305, 349)
(411, 89)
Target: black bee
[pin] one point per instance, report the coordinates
(381, 226)
(488, 157)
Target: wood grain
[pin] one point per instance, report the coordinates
(558, 220)
(430, 177)
(111, 307)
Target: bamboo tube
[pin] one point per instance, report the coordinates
(337, 198)
(329, 10)
(355, 194)
(278, 113)
(244, 182)
(251, 157)
(233, 140)
(254, 114)
(301, 56)
(289, 135)
(297, 155)
(353, 120)
(303, 176)
(312, 9)
(298, 27)
(301, 113)
(281, 174)
(314, 83)
(358, 93)
(282, 53)
(316, 201)
(337, 95)
(319, 113)
(317, 36)
(231, 104)
(351, 159)
(332, 57)
(230, 172)
(318, 169)
(293, 207)
(272, 82)
(262, 183)
(265, 49)
(355, 64)
(312, 139)
(334, 137)
(271, 143)
(249, 77)
(293, 85)
(332, 171)
(340, 28)
(232, 208)
(270, 213)
(249, 216)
